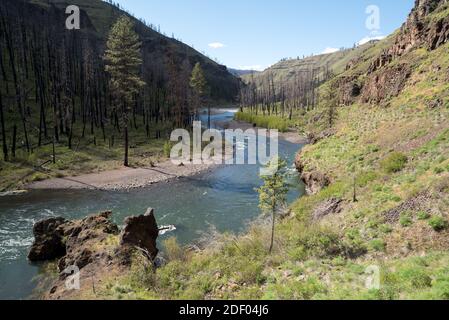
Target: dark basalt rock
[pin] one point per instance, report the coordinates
(90, 245)
(329, 207)
(314, 180)
(48, 244)
(142, 232)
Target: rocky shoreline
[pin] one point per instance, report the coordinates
(123, 178)
(92, 249)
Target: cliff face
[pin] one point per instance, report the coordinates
(419, 30)
(426, 27)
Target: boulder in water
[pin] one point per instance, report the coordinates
(48, 243)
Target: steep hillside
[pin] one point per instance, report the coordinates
(285, 71)
(100, 16)
(241, 73)
(379, 79)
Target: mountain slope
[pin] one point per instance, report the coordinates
(285, 71)
(240, 73)
(156, 47)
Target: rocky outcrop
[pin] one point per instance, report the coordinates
(70, 240)
(420, 202)
(48, 243)
(348, 89)
(314, 180)
(314, 138)
(386, 84)
(417, 31)
(141, 232)
(83, 236)
(329, 207)
(92, 245)
(420, 30)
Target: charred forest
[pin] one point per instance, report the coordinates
(55, 92)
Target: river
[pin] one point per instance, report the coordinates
(223, 199)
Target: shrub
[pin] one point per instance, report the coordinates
(60, 175)
(173, 250)
(269, 122)
(366, 177)
(395, 162)
(385, 228)
(167, 149)
(377, 245)
(438, 170)
(414, 275)
(37, 177)
(438, 223)
(441, 287)
(422, 215)
(405, 220)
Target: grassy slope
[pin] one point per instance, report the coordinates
(285, 71)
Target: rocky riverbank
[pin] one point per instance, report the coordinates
(124, 178)
(91, 250)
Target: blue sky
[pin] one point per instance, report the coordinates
(258, 33)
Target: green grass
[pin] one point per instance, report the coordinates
(84, 157)
(395, 162)
(268, 122)
(438, 223)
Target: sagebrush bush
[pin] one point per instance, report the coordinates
(395, 162)
(406, 220)
(423, 215)
(377, 245)
(167, 149)
(173, 250)
(438, 223)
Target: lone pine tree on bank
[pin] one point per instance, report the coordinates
(273, 192)
(199, 86)
(123, 60)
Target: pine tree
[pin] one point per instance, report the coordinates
(273, 193)
(123, 60)
(198, 83)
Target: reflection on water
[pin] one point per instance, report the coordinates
(224, 198)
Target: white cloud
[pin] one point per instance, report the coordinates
(329, 50)
(216, 45)
(368, 39)
(256, 67)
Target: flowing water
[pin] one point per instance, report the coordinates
(223, 199)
